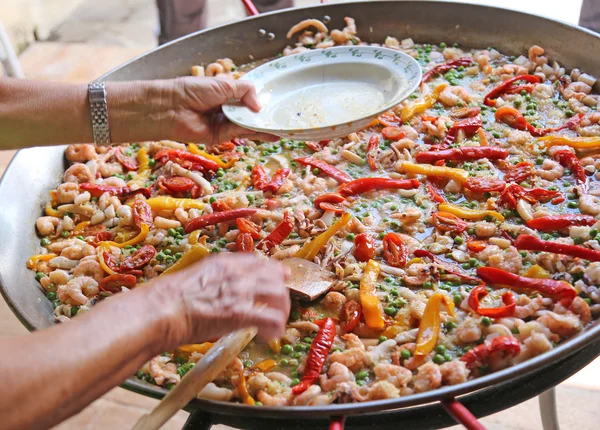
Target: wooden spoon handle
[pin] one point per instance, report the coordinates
(216, 359)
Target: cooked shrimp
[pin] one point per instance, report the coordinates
(576, 90)
(89, 268)
(66, 192)
(336, 374)
(59, 277)
(527, 307)
(214, 69)
(589, 204)
(281, 398)
(550, 170)
(562, 325)
(163, 371)
(454, 372)
(212, 392)
(581, 308)
(429, 377)
(334, 302)
(46, 224)
(535, 55)
(398, 376)
(78, 290)
(355, 357)
(382, 390)
(80, 153)
(452, 96)
(469, 330)
(78, 251)
(312, 397)
(307, 23)
(109, 169)
(78, 173)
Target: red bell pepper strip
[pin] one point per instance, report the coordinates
(513, 192)
(278, 235)
(327, 169)
(389, 119)
(513, 118)
(480, 184)
(508, 298)
(364, 247)
(443, 68)
(421, 253)
(448, 222)
(113, 283)
(465, 153)
(528, 242)
(477, 356)
(127, 161)
(220, 206)
(278, 179)
(558, 222)
(509, 87)
(138, 259)
(177, 156)
(111, 262)
(101, 236)
(142, 213)
(434, 192)
(394, 250)
(217, 217)
(247, 226)
(260, 180)
(329, 202)
(350, 315)
(476, 245)
(319, 350)
(570, 161)
(371, 149)
(393, 133)
(97, 190)
(468, 125)
(466, 112)
(520, 172)
(244, 242)
(364, 185)
(557, 290)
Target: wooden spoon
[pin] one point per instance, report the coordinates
(307, 282)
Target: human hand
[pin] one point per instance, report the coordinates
(197, 116)
(221, 294)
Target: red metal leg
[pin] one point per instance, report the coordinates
(336, 423)
(462, 415)
(250, 8)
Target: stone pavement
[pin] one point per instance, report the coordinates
(101, 35)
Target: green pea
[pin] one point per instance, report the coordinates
(287, 349)
(212, 200)
(466, 266)
(451, 325)
(440, 349)
(64, 233)
(459, 240)
(593, 232)
(302, 347)
(572, 205)
(363, 374)
(578, 241)
(405, 354)
(486, 321)
(517, 102)
(39, 275)
(295, 382)
(170, 260)
(316, 171)
(515, 330)
(438, 359)
(546, 236)
(457, 298)
(528, 97)
(447, 357)
(382, 339)
(178, 255)
(74, 310)
(284, 362)
(427, 285)
(381, 235)
(471, 231)
(361, 382)
(51, 296)
(394, 207)
(390, 310)
(167, 252)
(569, 113)
(295, 315)
(171, 232)
(496, 134)
(45, 242)
(350, 236)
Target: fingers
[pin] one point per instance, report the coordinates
(269, 322)
(227, 130)
(243, 91)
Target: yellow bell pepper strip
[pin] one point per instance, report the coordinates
(50, 211)
(79, 228)
(144, 229)
(573, 142)
(421, 105)
(537, 272)
(243, 390)
(100, 250)
(35, 259)
(275, 345)
(310, 250)
(459, 175)
(224, 165)
(472, 214)
(194, 254)
(265, 365)
(194, 236)
(429, 328)
(368, 300)
(164, 203)
(144, 170)
(201, 348)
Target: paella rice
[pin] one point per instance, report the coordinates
(461, 226)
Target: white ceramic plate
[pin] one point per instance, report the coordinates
(326, 93)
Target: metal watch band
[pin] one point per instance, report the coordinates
(99, 111)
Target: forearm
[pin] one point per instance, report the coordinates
(48, 113)
(53, 374)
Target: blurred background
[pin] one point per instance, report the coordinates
(79, 40)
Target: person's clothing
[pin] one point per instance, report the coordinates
(179, 18)
(590, 15)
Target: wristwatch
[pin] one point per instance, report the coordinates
(99, 111)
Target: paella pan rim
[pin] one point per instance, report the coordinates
(564, 350)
